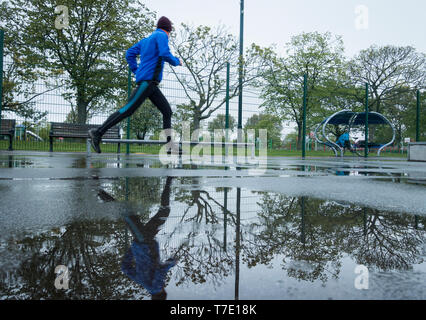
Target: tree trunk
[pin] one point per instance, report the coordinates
(81, 110)
(141, 135)
(372, 129)
(195, 124)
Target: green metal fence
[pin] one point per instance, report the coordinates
(54, 103)
(53, 100)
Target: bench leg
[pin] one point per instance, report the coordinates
(51, 144)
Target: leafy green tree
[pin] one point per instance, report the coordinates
(290, 139)
(17, 83)
(319, 56)
(401, 111)
(147, 119)
(219, 123)
(183, 114)
(19, 77)
(269, 122)
(87, 52)
(393, 74)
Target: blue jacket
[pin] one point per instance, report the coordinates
(150, 50)
(146, 271)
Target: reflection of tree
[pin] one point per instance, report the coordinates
(142, 192)
(387, 241)
(314, 235)
(200, 263)
(310, 236)
(300, 235)
(87, 248)
(203, 202)
(204, 257)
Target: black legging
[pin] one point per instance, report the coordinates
(145, 89)
(151, 228)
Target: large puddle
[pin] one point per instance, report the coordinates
(178, 238)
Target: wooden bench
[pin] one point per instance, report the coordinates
(72, 130)
(8, 129)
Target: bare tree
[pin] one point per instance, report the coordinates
(388, 70)
(205, 53)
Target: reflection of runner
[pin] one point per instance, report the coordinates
(141, 263)
(342, 173)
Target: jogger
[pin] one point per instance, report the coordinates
(153, 52)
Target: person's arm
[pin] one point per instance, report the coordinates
(131, 55)
(163, 47)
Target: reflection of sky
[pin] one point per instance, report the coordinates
(262, 282)
(55, 204)
(271, 281)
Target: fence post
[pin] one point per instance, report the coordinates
(305, 85)
(240, 74)
(129, 92)
(1, 71)
(227, 108)
(366, 121)
(418, 117)
(225, 212)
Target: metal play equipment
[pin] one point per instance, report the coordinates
(351, 119)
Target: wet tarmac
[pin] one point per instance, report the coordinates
(133, 228)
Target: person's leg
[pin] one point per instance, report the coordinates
(142, 91)
(136, 226)
(160, 101)
(151, 228)
(146, 232)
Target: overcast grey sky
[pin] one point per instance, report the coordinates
(267, 22)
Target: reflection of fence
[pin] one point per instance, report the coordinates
(212, 214)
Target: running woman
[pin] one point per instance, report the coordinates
(154, 51)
